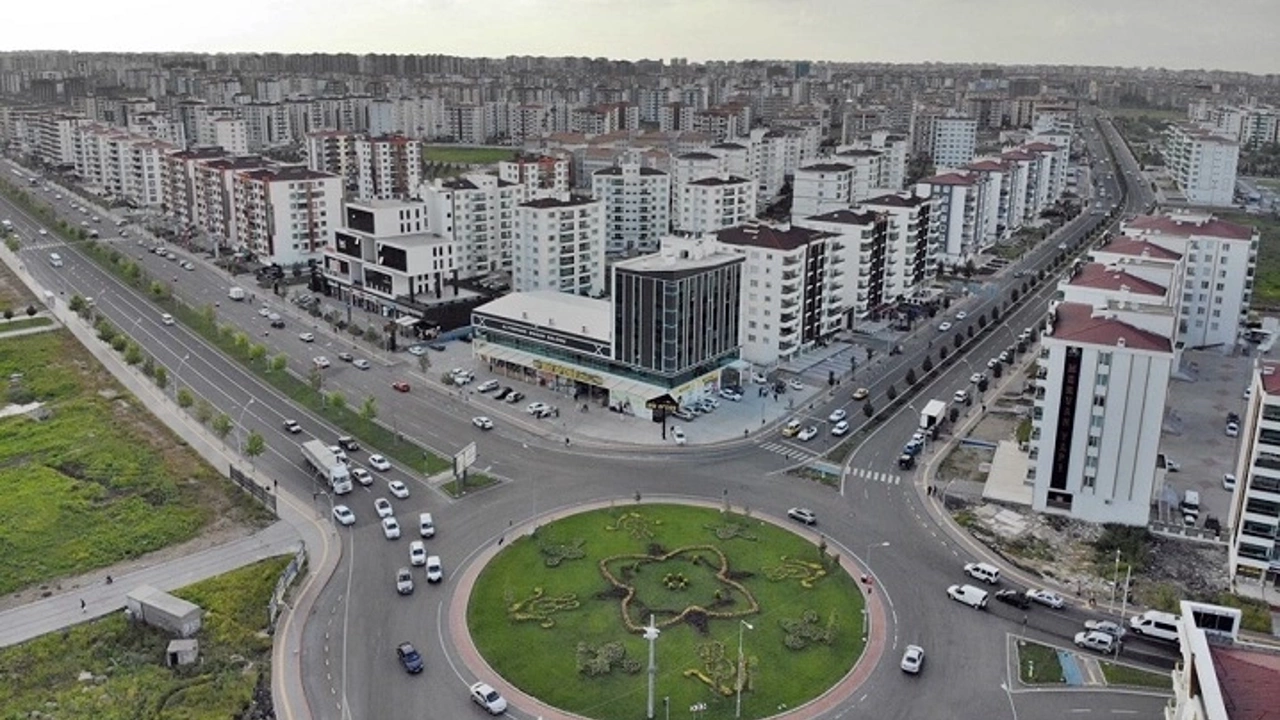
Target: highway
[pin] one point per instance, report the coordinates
(348, 658)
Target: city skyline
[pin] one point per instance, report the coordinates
(1178, 34)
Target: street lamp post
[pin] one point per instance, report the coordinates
(240, 424)
(177, 374)
(651, 633)
(744, 625)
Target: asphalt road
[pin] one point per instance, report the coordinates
(348, 658)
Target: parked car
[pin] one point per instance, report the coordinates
(961, 315)
(1106, 626)
(514, 397)
(1048, 598)
(487, 386)
(321, 362)
(1014, 598)
(346, 356)
(730, 394)
(361, 364)
(977, 378)
(1094, 640)
(795, 384)
(912, 659)
(1233, 429)
(678, 436)
(804, 515)
(488, 698)
(945, 326)
(1229, 481)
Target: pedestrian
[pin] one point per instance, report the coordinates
(109, 580)
(566, 442)
(82, 605)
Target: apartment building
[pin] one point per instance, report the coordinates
(266, 125)
(541, 175)
(121, 165)
(179, 184)
(1203, 164)
(559, 245)
(1220, 675)
(1254, 518)
(1107, 353)
(386, 258)
(637, 207)
(387, 167)
(1221, 259)
(56, 146)
(231, 134)
(954, 141)
(711, 204)
(793, 282)
(480, 212)
(912, 242)
(822, 187)
(286, 215)
(214, 210)
(334, 151)
(863, 260)
(892, 161)
(961, 202)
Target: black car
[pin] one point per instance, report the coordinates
(1014, 598)
(906, 462)
(409, 658)
(505, 391)
(348, 443)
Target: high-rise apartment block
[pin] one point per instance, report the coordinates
(637, 206)
(954, 141)
(387, 167)
(480, 213)
(286, 214)
(559, 245)
(1203, 164)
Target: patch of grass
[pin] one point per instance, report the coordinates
(465, 155)
(1266, 281)
(1117, 674)
(815, 475)
(24, 323)
(13, 294)
(1256, 614)
(98, 462)
(127, 660)
(475, 481)
(1269, 183)
(539, 654)
(1134, 544)
(1038, 664)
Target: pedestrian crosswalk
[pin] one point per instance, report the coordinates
(875, 476)
(788, 451)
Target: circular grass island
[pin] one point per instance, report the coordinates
(560, 613)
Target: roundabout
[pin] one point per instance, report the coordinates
(554, 613)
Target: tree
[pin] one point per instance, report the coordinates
(204, 411)
(997, 370)
(969, 331)
(868, 409)
(255, 445)
(257, 352)
(372, 335)
(942, 353)
(31, 311)
(133, 353)
(337, 401)
(928, 364)
(161, 376)
(241, 341)
(982, 321)
(1014, 294)
(221, 426)
(995, 314)
(953, 414)
(891, 393)
(911, 377)
(957, 340)
(76, 304)
(316, 379)
(369, 409)
(210, 315)
(185, 398)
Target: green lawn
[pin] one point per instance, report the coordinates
(127, 661)
(13, 294)
(23, 323)
(98, 462)
(547, 629)
(475, 481)
(1038, 664)
(1117, 674)
(1267, 276)
(456, 155)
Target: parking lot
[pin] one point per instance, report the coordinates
(1194, 433)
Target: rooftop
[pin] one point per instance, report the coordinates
(1248, 680)
(724, 180)
(846, 217)
(286, 173)
(986, 166)
(1077, 323)
(826, 167)
(551, 202)
(571, 314)
(786, 238)
(1137, 247)
(617, 170)
(1040, 147)
(1113, 277)
(697, 156)
(951, 179)
(680, 253)
(897, 200)
(728, 146)
(1188, 224)
(1017, 155)
(858, 152)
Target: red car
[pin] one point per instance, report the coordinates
(400, 385)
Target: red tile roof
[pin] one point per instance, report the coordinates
(1077, 324)
(1248, 679)
(1186, 226)
(1040, 147)
(763, 236)
(1137, 247)
(1017, 155)
(986, 166)
(1271, 377)
(1102, 277)
(951, 179)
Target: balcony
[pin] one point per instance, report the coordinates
(790, 274)
(787, 317)
(790, 288)
(788, 303)
(790, 260)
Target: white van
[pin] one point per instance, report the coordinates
(989, 574)
(969, 595)
(426, 526)
(1190, 506)
(55, 259)
(236, 293)
(1156, 624)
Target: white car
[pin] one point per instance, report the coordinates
(321, 362)
(961, 315)
(307, 337)
(488, 698)
(482, 422)
(677, 434)
(167, 319)
(377, 462)
(292, 427)
(1099, 641)
(759, 379)
(42, 231)
(343, 515)
(977, 378)
(399, 489)
(487, 386)
(993, 362)
(807, 434)
(362, 364)
(362, 476)
(1229, 481)
(1107, 626)
(536, 407)
(390, 528)
(1048, 598)
(730, 394)
(1233, 429)
(417, 553)
(404, 581)
(803, 515)
(945, 326)
(435, 571)
(840, 428)
(795, 384)
(383, 506)
(264, 311)
(912, 659)
(838, 415)
(339, 454)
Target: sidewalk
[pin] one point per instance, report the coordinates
(63, 610)
(299, 522)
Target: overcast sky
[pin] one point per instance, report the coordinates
(1215, 34)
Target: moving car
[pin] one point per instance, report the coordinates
(292, 426)
(383, 508)
(969, 595)
(362, 476)
(962, 315)
(515, 397)
(503, 393)
(321, 362)
(840, 428)
(377, 462)
(346, 356)
(912, 659)
(677, 434)
(795, 384)
(482, 422)
(536, 407)
(945, 326)
(417, 350)
(1014, 598)
(399, 489)
(435, 570)
(804, 515)
(409, 658)
(838, 415)
(361, 364)
(791, 429)
(417, 553)
(1047, 597)
(861, 393)
(807, 434)
(404, 581)
(730, 394)
(390, 528)
(167, 319)
(488, 698)
(343, 515)
(307, 337)
(348, 443)
(400, 386)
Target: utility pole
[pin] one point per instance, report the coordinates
(651, 633)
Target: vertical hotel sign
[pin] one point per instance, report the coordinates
(1066, 419)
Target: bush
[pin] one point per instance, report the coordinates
(119, 343)
(1134, 544)
(185, 398)
(31, 311)
(891, 393)
(868, 409)
(8, 313)
(911, 377)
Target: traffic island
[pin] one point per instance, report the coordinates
(746, 610)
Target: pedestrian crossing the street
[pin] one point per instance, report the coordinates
(787, 451)
(875, 476)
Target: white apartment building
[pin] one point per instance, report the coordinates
(954, 141)
(1219, 674)
(334, 151)
(267, 125)
(714, 203)
(1254, 519)
(179, 184)
(892, 162)
(1221, 258)
(385, 258)
(960, 201)
(286, 214)
(559, 245)
(480, 212)
(912, 243)
(1027, 183)
(690, 166)
(637, 207)
(213, 211)
(1203, 164)
(387, 167)
(231, 135)
(157, 126)
(793, 285)
(1106, 357)
(541, 175)
(865, 262)
(1054, 161)
(57, 138)
(1000, 223)
(125, 166)
(822, 187)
